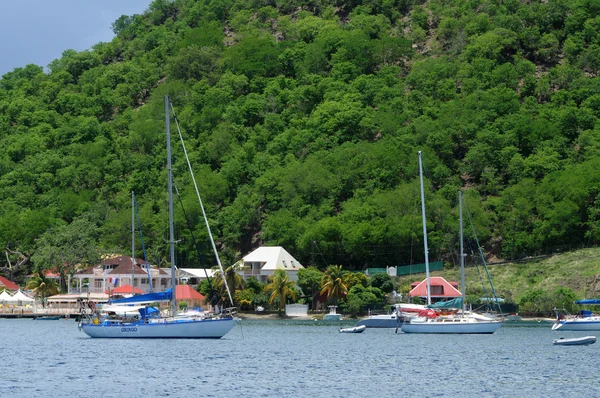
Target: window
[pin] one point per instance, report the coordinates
(437, 290)
(98, 283)
(284, 264)
(292, 262)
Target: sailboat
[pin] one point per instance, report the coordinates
(149, 323)
(463, 322)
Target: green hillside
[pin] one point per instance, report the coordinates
(303, 120)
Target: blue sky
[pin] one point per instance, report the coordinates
(38, 31)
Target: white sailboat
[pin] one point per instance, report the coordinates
(149, 323)
(583, 321)
(461, 323)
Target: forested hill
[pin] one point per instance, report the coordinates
(303, 120)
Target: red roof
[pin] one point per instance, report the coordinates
(439, 287)
(125, 289)
(186, 292)
(8, 284)
(47, 274)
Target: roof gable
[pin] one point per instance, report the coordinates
(447, 290)
(272, 258)
(125, 269)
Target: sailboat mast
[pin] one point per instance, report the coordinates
(462, 252)
(170, 190)
(424, 230)
(132, 240)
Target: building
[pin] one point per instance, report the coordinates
(117, 271)
(263, 261)
(193, 276)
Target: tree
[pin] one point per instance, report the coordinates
(121, 24)
(234, 281)
(565, 297)
(332, 283)
(43, 287)
(309, 280)
(360, 297)
(383, 281)
(62, 247)
(280, 287)
(535, 300)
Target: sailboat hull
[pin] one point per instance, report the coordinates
(578, 324)
(450, 326)
(178, 329)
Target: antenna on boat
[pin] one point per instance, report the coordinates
(212, 241)
(462, 252)
(139, 223)
(132, 240)
(170, 190)
(424, 230)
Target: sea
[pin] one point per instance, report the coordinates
(287, 358)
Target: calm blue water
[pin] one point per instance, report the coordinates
(295, 359)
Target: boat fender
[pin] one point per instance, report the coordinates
(95, 321)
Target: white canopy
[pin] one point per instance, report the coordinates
(19, 296)
(5, 297)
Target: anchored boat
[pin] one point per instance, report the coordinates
(149, 322)
(575, 341)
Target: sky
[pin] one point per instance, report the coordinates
(38, 31)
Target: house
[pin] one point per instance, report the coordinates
(187, 294)
(439, 289)
(193, 276)
(117, 271)
(7, 284)
(263, 261)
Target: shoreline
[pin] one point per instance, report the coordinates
(275, 316)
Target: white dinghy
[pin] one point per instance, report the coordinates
(575, 341)
(355, 329)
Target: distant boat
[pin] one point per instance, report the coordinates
(575, 341)
(47, 318)
(355, 329)
(462, 322)
(514, 318)
(149, 323)
(333, 315)
(583, 321)
(394, 319)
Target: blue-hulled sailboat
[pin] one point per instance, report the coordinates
(149, 323)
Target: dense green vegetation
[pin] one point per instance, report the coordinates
(303, 120)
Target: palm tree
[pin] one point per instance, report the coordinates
(280, 287)
(333, 283)
(42, 287)
(234, 280)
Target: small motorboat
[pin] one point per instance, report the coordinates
(47, 318)
(355, 329)
(575, 341)
(333, 315)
